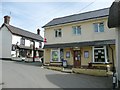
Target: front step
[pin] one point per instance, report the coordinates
(67, 70)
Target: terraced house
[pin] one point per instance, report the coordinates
(84, 40)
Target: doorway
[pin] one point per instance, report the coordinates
(77, 58)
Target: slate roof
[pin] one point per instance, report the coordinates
(81, 44)
(79, 17)
(24, 33)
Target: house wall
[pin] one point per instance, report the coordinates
(69, 60)
(47, 53)
(16, 39)
(110, 53)
(6, 42)
(87, 32)
(85, 61)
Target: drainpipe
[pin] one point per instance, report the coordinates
(114, 70)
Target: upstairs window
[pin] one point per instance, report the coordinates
(58, 33)
(76, 30)
(99, 27)
(22, 41)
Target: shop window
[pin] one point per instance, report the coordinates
(55, 55)
(100, 54)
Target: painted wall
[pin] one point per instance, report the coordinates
(110, 53)
(69, 60)
(87, 32)
(85, 61)
(47, 53)
(6, 42)
(16, 39)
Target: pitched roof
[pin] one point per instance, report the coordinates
(24, 33)
(79, 17)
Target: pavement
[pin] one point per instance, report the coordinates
(22, 75)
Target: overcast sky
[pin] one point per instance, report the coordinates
(36, 13)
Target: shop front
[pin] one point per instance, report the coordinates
(80, 56)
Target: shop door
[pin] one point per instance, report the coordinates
(77, 58)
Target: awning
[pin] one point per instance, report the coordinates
(81, 44)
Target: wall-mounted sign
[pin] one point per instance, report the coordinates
(86, 54)
(68, 54)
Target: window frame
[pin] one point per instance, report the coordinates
(105, 54)
(98, 27)
(58, 33)
(87, 54)
(58, 50)
(22, 41)
(75, 30)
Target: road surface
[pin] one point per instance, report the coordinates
(20, 75)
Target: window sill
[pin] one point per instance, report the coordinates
(101, 63)
(55, 62)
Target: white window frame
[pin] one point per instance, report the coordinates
(58, 30)
(98, 28)
(105, 50)
(58, 50)
(76, 30)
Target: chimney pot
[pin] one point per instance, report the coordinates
(38, 31)
(7, 19)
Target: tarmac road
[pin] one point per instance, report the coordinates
(20, 75)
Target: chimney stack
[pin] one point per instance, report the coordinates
(6, 19)
(38, 31)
